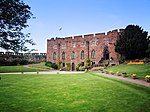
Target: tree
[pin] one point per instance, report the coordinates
(132, 43)
(148, 50)
(13, 19)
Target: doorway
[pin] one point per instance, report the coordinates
(106, 53)
(73, 67)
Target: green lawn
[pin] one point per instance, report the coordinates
(71, 93)
(5, 69)
(40, 65)
(140, 70)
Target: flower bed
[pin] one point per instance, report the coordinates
(118, 74)
(147, 78)
(134, 76)
(124, 74)
(135, 63)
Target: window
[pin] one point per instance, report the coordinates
(106, 41)
(82, 54)
(63, 56)
(93, 54)
(73, 44)
(63, 46)
(82, 43)
(73, 55)
(93, 43)
(54, 55)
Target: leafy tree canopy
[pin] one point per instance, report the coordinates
(13, 19)
(132, 43)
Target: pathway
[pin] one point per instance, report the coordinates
(136, 81)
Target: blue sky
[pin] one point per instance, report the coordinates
(78, 17)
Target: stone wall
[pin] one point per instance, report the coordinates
(31, 57)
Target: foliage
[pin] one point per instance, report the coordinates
(14, 15)
(78, 66)
(132, 43)
(68, 66)
(122, 59)
(81, 68)
(52, 65)
(24, 62)
(148, 50)
(88, 61)
(59, 64)
(88, 64)
(70, 93)
(140, 70)
(87, 67)
(13, 62)
(147, 78)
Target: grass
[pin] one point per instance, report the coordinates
(71, 93)
(5, 69)
(40, 65)
(140, 70)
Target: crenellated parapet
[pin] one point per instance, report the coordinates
(87, 37)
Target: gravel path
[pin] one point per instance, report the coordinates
(136, 81)
(47, 72)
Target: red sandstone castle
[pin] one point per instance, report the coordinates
(77, 49)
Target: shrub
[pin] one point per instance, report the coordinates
(24, 62)
(147, 78)
(81, 68)
(15, 62)
(124, 74)
(68, 66)
(52, 65)
(134, 76)
(78, 66)
(122, 59)
(87, 67)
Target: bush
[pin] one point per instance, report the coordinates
(24, 62)
(81, 68)
(87, 67)
(15, 62)
(3, 62)
(52, 65)
(122, 59)
(78, 66)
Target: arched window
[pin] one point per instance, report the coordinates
(93, 54)
(54, 55)
(73, 55)
(82, 54)
(63, 56)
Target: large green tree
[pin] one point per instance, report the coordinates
(132, 43)
(13, 19)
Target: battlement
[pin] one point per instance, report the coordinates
(97, 35)
(21, 54)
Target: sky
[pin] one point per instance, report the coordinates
(79, 17)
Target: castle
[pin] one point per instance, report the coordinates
(77, 49)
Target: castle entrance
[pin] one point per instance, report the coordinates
(107, 56)
(73, 67)
(106, 53)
